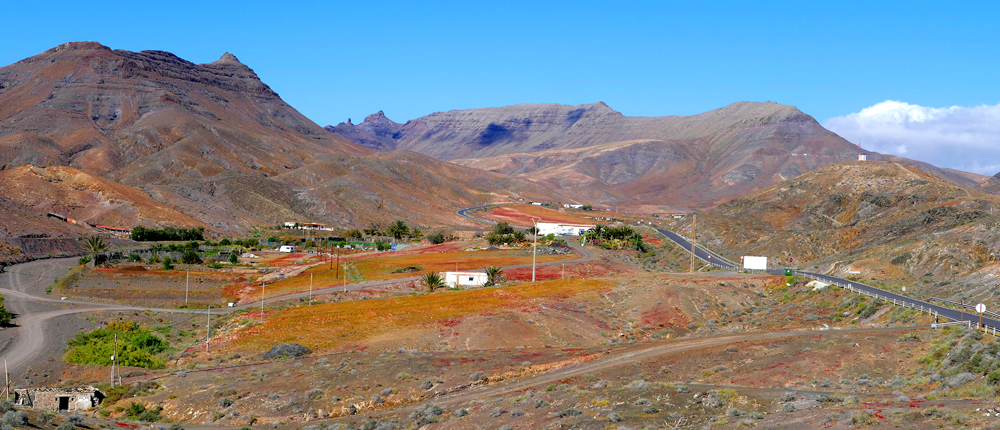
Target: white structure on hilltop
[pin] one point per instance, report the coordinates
(465, 279)
(862, 157)
(560, 229)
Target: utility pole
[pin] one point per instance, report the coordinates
(187, 285)
(534, 250)
(694, 234)
(262, 303)
(310, 289)
(345, 277)
(208, 332)
(563, 271)
(6, 378)
(114, 361)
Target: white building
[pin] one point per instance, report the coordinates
(464, 279)
(567, 206)
(560, 229)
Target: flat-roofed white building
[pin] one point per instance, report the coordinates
(560, 229)
(465, 279)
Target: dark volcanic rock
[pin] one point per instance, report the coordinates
(286, 350)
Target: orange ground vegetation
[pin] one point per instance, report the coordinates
(332, 325)
(383, 267)
(521, 215)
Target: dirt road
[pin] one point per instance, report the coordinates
(31, 340)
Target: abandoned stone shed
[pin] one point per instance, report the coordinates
(58, 399)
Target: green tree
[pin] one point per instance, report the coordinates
(353, 234)
(95, 245)
(436, 238)
(433, 281)
(398, 230)
(233, 258)
(190, 257)
(494, 275)
(168, 263)
(5, 315)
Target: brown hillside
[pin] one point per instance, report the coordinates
(130, 138)
(892, 222)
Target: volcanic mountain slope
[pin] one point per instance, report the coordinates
(169, 142)
(888, 220)
(598, 154)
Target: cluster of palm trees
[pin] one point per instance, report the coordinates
(505, 233)
(623, 237)
(433, 280)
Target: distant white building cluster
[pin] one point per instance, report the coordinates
(307, 226)
(560, 229)
(568, 206)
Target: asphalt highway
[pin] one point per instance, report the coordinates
(949, 313)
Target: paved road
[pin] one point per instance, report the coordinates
(465, 212)
(946, 312)
(700, 252)
(942, 311)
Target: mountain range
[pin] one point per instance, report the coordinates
(126, 138)
(593, 153)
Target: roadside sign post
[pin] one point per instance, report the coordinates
(980, 308)
(961, 310)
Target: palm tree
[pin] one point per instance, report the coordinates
(494, 275)
(95, 245)
(433, 281)
(398, 230)
(636, 240)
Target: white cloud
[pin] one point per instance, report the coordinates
(963, 138)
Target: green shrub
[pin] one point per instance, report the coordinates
(137, 346)
(436, 238)
(168, 263)
(5, 315)
(191, 257)
(84, 260)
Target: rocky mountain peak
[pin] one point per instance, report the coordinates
(228, 58)
(78, 46)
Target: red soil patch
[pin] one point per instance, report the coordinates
(522, 215)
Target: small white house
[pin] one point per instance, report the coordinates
(538, 203)
(286, 248)
(464, 279)
(559, 229)
(568, 206)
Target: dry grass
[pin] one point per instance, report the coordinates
(327, 326)
(522, 214)
(383, 267)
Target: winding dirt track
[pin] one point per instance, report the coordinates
(25, 297)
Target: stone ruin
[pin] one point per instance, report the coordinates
(58, 399)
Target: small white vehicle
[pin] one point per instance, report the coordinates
(286, 248)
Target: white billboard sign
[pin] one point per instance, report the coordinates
(754, 263)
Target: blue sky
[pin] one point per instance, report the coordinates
(336, 60)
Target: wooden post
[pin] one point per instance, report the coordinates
(310, 289)
(114, 361)
(208, 332)
(6, 378)
(187, 285)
